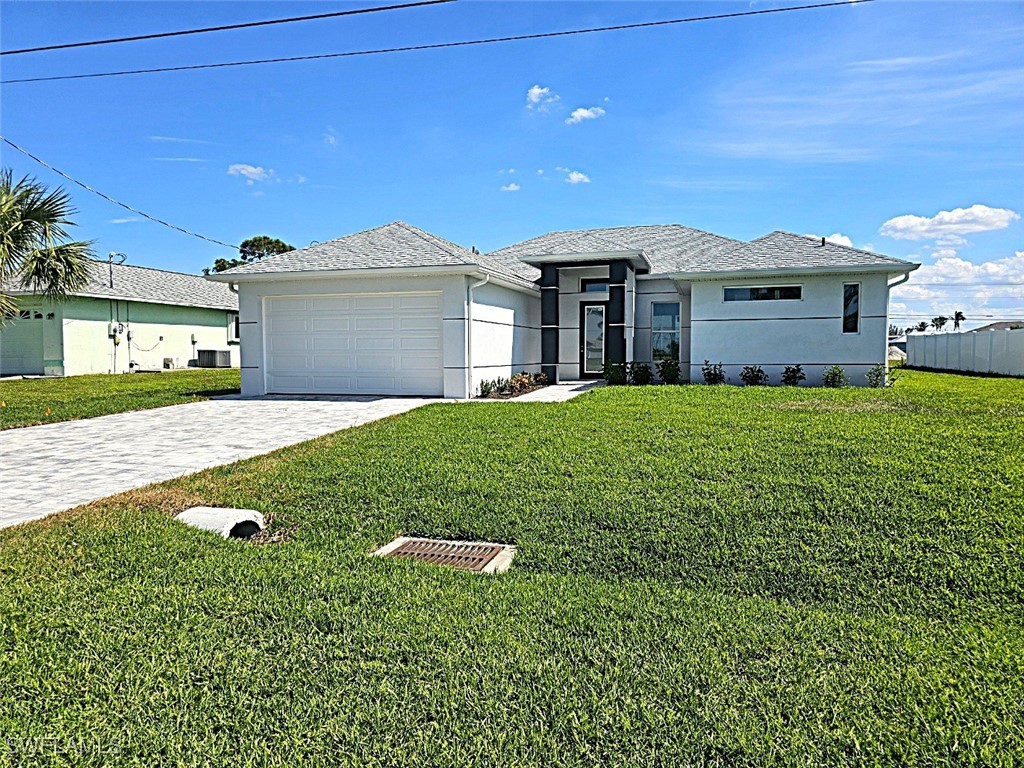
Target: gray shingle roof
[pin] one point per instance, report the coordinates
(786, 251)
(155, 286)
(669, 247)
(393, 245)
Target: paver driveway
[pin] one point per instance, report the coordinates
(52, 467)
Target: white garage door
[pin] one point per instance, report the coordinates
(21, 346)
(372, 344)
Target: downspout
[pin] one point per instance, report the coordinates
(469, 334)
(888, 287)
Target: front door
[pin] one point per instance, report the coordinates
(592, 317)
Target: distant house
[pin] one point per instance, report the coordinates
(399, 311)
(125, 318)
(1003, 326)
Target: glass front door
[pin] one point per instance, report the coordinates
(591, 340)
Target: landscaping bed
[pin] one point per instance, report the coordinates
(25, 402)
(741, 576)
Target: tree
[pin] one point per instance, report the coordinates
(894, 331)
(938, 323)
(958, 317)
(251, 250)
(922, 326)
(36, 252)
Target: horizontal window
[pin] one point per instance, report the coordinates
(765, 293)
(593, 285)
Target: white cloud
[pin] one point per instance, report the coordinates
(581, 113)
(300, 179)
(540, 171)
(575, 177)
(127, 220)
(179, 140)
(513, 187)
(897, 63)
(507, 170)
(948, 226)
(540, 99)
(837, 238)
(984, 291)
(252, 173)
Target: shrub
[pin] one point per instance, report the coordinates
(540, 379)
(713, 373)
(792, 375)
(614, 373)
(520, 382)
(639, 373)
(880, 376)
(486, 387)
(668, 371)
(834, 377)
(754, 376)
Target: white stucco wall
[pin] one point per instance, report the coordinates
(158, 331)
(453, 303)
(505, 333)
(774, 334)
(649, 291)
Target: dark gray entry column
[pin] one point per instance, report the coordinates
(549, 322)
(615, 324)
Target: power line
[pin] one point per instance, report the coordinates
(109, 199)
(244, 25)
(436, 46)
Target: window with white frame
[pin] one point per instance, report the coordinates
(851, 307)
(233, 327)
(665, 330)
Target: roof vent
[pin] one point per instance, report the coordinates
(476, 556)
(823, 241)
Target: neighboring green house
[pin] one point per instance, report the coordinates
(125, 318)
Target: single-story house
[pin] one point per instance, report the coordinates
(396, 310)
(125, 318)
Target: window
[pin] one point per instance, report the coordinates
(664, 331)
(594, 285)
(24, 314)
(765, 293)
(233, 327)
(851, 307)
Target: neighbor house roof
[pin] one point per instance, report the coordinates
(395, 245)
(1001, 326)
(784, 251)
(145, 284)
(668, 247)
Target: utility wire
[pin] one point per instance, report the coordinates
(109, 199)
(244, 25)
(436, 46)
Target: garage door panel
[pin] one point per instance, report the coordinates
(331, 324)
(358, 344)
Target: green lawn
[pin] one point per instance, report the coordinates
(706, 576)
(24, 402)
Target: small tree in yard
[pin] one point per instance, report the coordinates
(958, 317)
(938, 323)
(36, 252)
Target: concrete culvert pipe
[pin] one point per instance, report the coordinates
(226, 521)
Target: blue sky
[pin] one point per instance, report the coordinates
(895, 126)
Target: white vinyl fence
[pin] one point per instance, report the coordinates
(982, 352)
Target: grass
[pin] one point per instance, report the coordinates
(25, 402)
(706, 576)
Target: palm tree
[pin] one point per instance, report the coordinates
(958, 317)
(36, 252)
(922, 326)
(938, 323)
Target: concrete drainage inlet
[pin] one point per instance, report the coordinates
(476, 556)
(226, 521)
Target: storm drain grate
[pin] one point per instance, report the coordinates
(480, 557)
